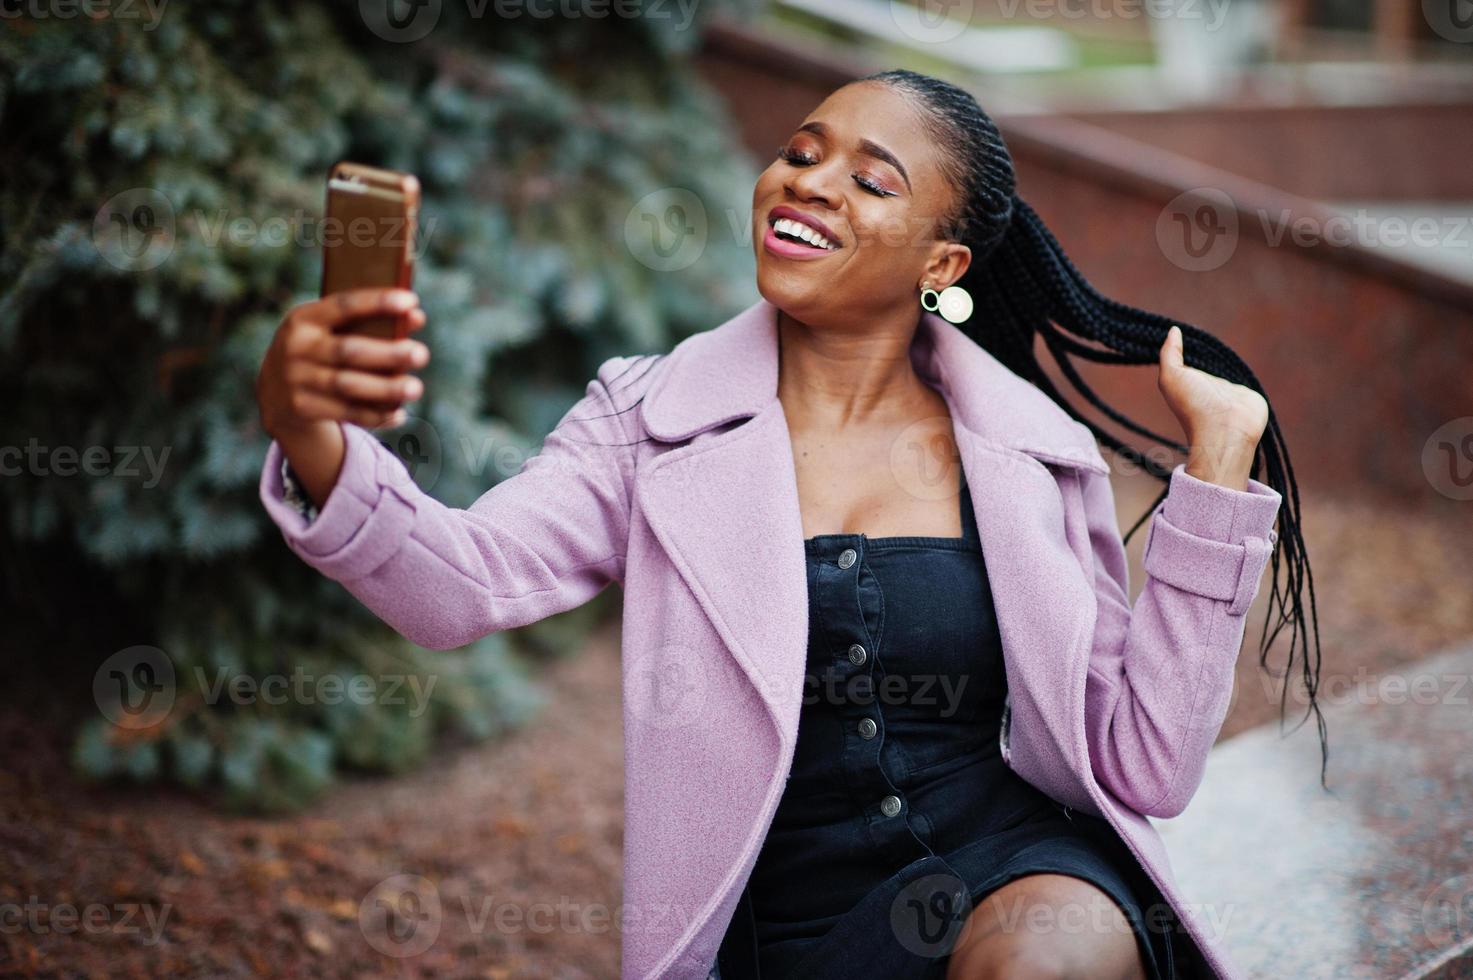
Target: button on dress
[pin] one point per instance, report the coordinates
(900, 816)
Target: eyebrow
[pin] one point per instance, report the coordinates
(866, 146)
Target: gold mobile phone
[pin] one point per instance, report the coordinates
(368, 238)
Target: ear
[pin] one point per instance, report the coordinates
(948, 263)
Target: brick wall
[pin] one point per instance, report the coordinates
(1328, 152)
(1363, 356)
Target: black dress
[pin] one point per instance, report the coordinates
(899, 814)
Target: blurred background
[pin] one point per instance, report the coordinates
(217, 763)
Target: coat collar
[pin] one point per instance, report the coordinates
(730, 372)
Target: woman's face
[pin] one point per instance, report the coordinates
(860, 166)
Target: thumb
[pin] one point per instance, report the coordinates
(1171, 350)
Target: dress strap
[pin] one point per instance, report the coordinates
(969, 516)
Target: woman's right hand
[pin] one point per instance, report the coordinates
(314, 377)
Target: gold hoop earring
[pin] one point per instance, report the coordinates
(954, 303)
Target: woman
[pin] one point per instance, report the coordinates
(885, 697)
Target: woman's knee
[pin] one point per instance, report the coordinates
(1029, 960)
(1048, 926)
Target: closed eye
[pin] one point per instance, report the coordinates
(872, 187)
(800, 159)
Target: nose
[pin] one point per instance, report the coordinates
(815, 184)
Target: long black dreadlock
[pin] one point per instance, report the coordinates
(1024, 286)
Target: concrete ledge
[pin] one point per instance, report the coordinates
(1373, 880)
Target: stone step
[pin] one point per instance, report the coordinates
(1373, 879)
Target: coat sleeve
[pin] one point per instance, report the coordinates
(1161, 675)
(544, 540)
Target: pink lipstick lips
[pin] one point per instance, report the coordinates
(793, 234)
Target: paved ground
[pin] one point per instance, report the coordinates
(517, 841)
(1372, 882)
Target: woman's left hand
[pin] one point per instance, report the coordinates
(1223, 420)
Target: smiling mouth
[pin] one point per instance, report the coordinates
(795, 231)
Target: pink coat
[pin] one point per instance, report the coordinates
(687, 497)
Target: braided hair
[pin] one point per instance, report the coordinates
(1024, 285)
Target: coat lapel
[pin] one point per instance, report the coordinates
(726, 513)
(1044, 602)
(725, 507)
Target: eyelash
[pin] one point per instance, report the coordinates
(802, 160)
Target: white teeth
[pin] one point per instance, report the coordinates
(790, 227)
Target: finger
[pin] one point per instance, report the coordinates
(361, 386)
(313, 405)
(1171, 350)
(342, 307)
(365, 353)
(417, 319)
(371, 419)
